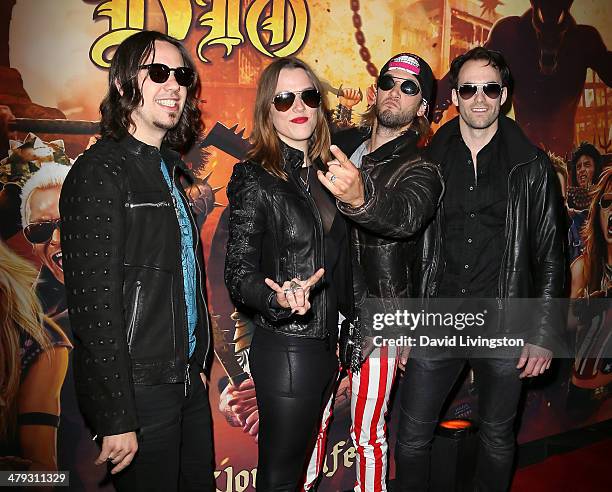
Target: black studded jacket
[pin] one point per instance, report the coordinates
(124, 279)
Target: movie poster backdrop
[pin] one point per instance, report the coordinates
(54, 57)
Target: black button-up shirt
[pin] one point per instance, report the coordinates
(474, 218)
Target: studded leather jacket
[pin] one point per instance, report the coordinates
(402, 193)
(124, 279)
(275, 231)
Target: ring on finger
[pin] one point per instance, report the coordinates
(294, 285)
(333, 178)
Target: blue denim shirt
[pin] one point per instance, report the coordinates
(187, 259)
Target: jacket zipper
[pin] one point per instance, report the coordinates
(147, 204)
(500, 294)
(130, 333)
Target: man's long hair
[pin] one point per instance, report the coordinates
(595, 247)
(266, 149)
(117, 107)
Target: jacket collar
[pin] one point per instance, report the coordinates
(406, 142)
(350, 139)
(292, 157)
(520, 150)
(150, 153)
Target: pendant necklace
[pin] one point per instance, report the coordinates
(305, 182)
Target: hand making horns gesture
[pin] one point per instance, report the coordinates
(343, 179)
(294, 293)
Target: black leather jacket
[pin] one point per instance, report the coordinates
(275, 231)
(124, 279)
(402, 193)
(534, 261)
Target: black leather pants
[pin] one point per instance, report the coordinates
(424, 388)
(294, 378)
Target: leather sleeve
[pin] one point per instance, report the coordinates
(403, 211)
(92, 235)
(549, 247)
(247, 226)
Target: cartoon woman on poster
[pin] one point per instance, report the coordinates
(34, 352)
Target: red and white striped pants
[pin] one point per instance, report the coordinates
(370, 389)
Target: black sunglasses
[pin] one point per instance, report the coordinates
(408, 87)
(41, 232)
(492, 90)
(284, 100)
(605, 203)
(159, 73)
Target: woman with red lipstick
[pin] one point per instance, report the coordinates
(288, 262)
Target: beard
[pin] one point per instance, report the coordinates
(394, 120)
(168, 124)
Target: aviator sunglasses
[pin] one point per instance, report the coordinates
(159, 73)
(408, 86)
(284, 100)
(41, 232)
(491, 89)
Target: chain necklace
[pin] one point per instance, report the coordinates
(306, 182)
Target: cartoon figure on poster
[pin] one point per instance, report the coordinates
(591, 380)
(34, 351)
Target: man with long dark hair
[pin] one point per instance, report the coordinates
(390, 193)
(134, 281)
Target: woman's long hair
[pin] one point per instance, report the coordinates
(595, 253)
(266, 146)
(20, 311)
(117, 107)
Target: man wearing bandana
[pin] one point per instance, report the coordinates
(390, 193)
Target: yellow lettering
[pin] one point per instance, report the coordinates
(178, 14)
(127, 17)
(224, 21)
(275, 24)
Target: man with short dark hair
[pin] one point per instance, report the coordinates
(390, 193)
(502, 236)
(134, 281)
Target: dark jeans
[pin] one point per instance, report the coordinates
(294, 378)
(175, 440)
(424, 388)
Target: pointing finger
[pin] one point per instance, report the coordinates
(341, 156)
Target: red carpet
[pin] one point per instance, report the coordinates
(588, 469)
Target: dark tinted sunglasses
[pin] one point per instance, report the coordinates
(605, 202)
(41, 232)
(492, 90)
(284, 100)
(159, 73)
(409, 86)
